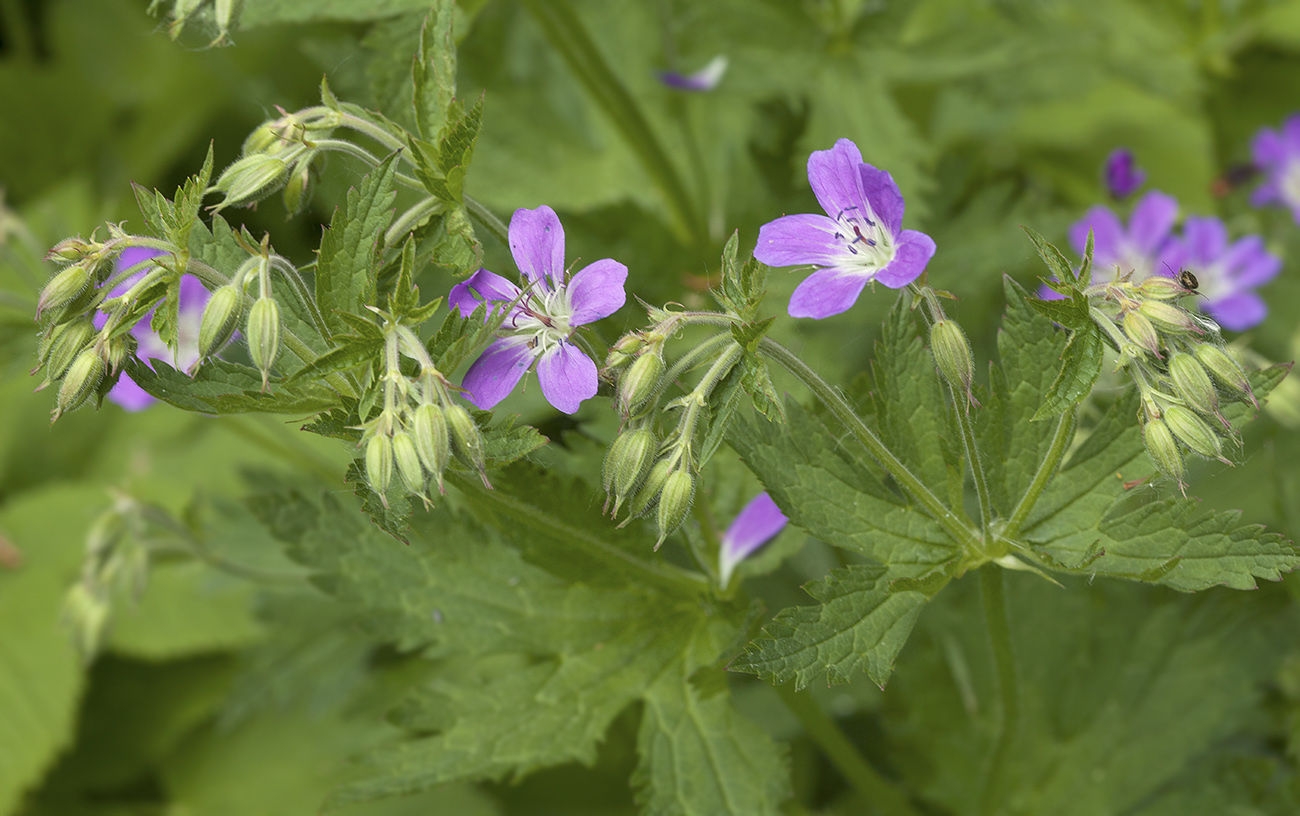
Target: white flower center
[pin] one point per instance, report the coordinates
(1290, 185)
(545, 314)
(866, 244)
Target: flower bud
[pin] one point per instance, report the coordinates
(1158, 287)
(250, 178)
(432, 442)
(63, 343)
(1192, 383)
(408, 461)
(1223, 367)
(69, 250)
(85, 613)
(220, 319)
(64, 287)
(951, 353)
(466, 440)
(297, 188)
(1169, 318)
(624, 351)
(1139, 329)
(1162, 449)
(1193, 432)
(650, 489)
(379, 464)
(264, 139)
(117, 350)
(627, 462)
(80, 381)
(639, 382)
(674, 502)
(264, 335)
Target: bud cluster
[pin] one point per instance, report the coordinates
(278, 154)
(1178, 361)
(116, 560)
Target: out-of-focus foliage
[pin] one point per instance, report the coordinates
(249, 681)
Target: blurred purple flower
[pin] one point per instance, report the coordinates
(1123, 176)
(756, 525)
(1277, 155)
(541, 319)
(193, 297)
(858, 240)
(705, 79)
(1226, 273)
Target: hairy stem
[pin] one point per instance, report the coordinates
(998, 622)
(973, 459)
(882, 794)
(1046, 469)
(488, 219)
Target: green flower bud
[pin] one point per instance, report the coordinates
(1158, 287)
(63, 342)
(1139, 329)
(624, 351)
(1223, 367)
(952, 355)
(69, 250)
(264, 139)
(1162, 449)
(1192, 431)
(627, 462)
(117, 350)
(379, 464)
(250, 179)
(650, 489)
(408, 461)
(639, 382)
(674, 502)
(1192, 383)
(80, 381)
(64, 287)
(85, 614)
(220, 319)
(1169, 318)
(264, 335)
(466, 440)
(432, 439)
(297, 188)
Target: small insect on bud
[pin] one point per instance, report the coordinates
(62, 343)
(80, 381)
(1162, 449)
(466, 440)
(64, 287)
(1138, 329)
(627, 463)
(1159, 287)
(408, 461)
(1193, 432)
(1224, 369)
(264, 335)
(432, 439)
(951, 351)
(250, 179)
(639, 382)
(674, 503)
(1192, 383)
(379, 464)
(220, 319)
(1169, 318)
(68, 250)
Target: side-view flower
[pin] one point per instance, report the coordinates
(860, 238)
(1277, 155)
(756, 525)
(540, 318)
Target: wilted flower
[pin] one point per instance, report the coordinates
(756, 525)
(1277, 155)
(541, 319)
(705, 79)
(858, 240)
(1123, 176)
(1225, 273)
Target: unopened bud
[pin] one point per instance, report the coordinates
(85, 614)
(68, 250)
(80, 381)
(466, 439)
(62, 344)
(408, 461)
(1223, 367)
(379, 464)
(250, 178)
(64, 287)
(1158, 287)
(264, 335)
(117, 350)
(1192, 383)
(650, 489)
(264, 139)
(432, 441)
(674, 502)
(639, 382)
(1193, 432)
(624, 351)
(1139, 329)
(952, 355)
(1162, 449)
(297, 188)
(628, 461)
(1168, 317)
(220, 319)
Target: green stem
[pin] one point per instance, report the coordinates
(406, 222)
(973, 459)
(958, 530)
(488, 219)
(1046, 469)
(350, 149)
(997, 620)
(566, 33)
(884, 796)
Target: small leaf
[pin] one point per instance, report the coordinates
(1080, 368)
(349, 250)
(434, 69)
(1056, 262)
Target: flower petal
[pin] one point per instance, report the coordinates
(795, 240)
(1206, 238)
(1268, 147)
(1152, 220)
(497, 371)
(883, 196)
(1107, 235)
(827, 292)
(836, 179)
(132, 258)
(537, 244)
(567, 377)
(1238, 312)
(914, 251)
(126, 393)
(597, 291)
(482, 286)
(194, 297)
(756, 525)
(1249, 264)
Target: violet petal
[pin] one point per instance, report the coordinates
(597, 291)
(756, 525)
(1107, 234)
(1249, 263)
(497, 371)
(130, 396)
(1206, 239)
(827, 292)
(883, 196)
(835, 178)
(913, 252)
(1152, 220)
(567, 376)
(1238, 312)
(795, 240)
(482, 286)
(537, 244)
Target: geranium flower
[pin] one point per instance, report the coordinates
(858, 240)
(1123, 176)
(705, 79)
(1277, 155)
(1225, 273)
(756, 525)
(542, 317)
(193, 298)
(1138, 248)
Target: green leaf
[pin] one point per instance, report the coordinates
(1080, 368)
(756, 379)
(223, 387)
(187, 609)
(434, 69)
(1057, 263)
(1071, 312)
(349, 250)
(453, 243)
(747, 335)
(355, 352)
(860, 625)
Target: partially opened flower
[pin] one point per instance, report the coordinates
(1225, 273)
(1277, 155)
(756, 525)
(860, 238)
(705, 79)
(541, 318)
(1123, 176)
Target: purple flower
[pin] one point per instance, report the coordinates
(541, 319)
(858, 240)
(1123, 176)
(1277, 155)
(1225, 273)
(705, 79)
(193, 297)
(1138, 248)
(756, 525)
